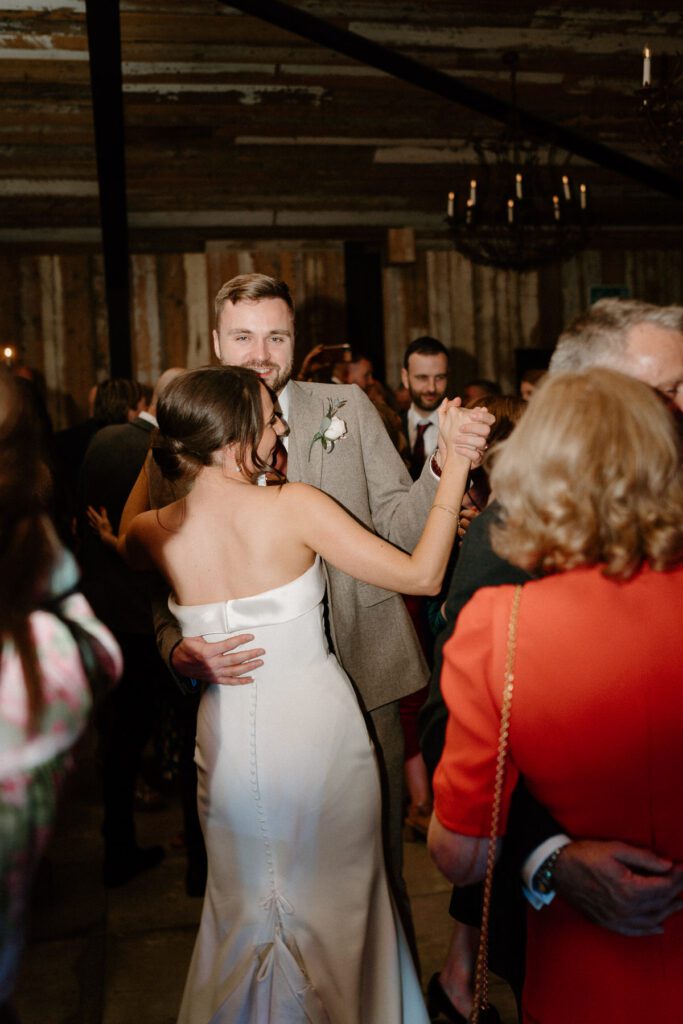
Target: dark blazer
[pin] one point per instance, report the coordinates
(111, 466)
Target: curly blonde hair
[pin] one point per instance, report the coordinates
(591, 475)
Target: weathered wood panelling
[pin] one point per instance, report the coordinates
(52, 307)
(483, 315)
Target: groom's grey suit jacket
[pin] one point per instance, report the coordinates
(370, 627)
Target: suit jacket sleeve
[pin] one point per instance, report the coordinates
(398, 506)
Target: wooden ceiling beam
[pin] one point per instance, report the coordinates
(359, 48)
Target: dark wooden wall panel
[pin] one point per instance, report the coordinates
(172, 293)
(10, 299)
(30, 334)
(52, 307)
(79, 337)
(483, 315)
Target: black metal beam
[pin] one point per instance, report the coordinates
(408, 70)
(104, 41)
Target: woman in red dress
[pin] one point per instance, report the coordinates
(591, 488)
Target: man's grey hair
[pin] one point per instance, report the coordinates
(599, 337)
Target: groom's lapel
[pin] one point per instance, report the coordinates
(305, 415)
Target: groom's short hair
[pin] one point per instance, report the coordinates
(251, 288)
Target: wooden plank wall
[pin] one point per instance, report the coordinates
(482, 314)
(52, 310)
(52, 307)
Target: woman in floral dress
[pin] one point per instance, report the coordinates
(44, 690)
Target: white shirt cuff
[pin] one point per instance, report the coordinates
(533, 863)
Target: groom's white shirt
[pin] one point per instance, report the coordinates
(283, 402)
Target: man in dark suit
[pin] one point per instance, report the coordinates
(425, 375)
(120, 598)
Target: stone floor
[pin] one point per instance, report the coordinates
(120, 957)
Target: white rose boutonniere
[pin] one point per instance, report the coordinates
(332, 427)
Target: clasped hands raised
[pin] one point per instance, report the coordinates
(464, 431)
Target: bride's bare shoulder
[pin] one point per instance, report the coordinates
(298, 493)
(168, 517)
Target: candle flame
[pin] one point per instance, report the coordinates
(8, 352)
(647, 53)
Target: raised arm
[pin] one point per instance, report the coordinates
(398, 506)
(138, 499)
(326, 528)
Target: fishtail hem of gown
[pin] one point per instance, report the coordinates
(270, 986)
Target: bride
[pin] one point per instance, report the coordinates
(298, 924)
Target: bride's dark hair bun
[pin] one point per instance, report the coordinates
(202, 411)
(172, 459)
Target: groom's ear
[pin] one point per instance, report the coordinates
(216, 345)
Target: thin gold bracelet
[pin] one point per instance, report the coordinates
(445, 508)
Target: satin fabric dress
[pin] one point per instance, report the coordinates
(595, 730)
(298, 924)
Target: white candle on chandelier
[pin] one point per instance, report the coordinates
(468, 212)
(473, 191)
(583, 196)
(565, 187)
(518, 185)
(451, 201)
(511, 211)
(647, 67)
(556, 207)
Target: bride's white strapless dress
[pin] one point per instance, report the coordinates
(298, 924)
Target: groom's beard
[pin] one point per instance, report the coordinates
(275, 380)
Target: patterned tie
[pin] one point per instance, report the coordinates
(417, 457)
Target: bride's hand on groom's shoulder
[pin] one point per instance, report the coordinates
(221, 662)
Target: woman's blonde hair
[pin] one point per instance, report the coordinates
(592, 474)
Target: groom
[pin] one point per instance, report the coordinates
(369, 627)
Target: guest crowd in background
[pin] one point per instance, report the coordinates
(582, 506)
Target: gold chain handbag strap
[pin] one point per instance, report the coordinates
(481, 977)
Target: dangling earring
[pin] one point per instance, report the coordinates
(238, 466)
